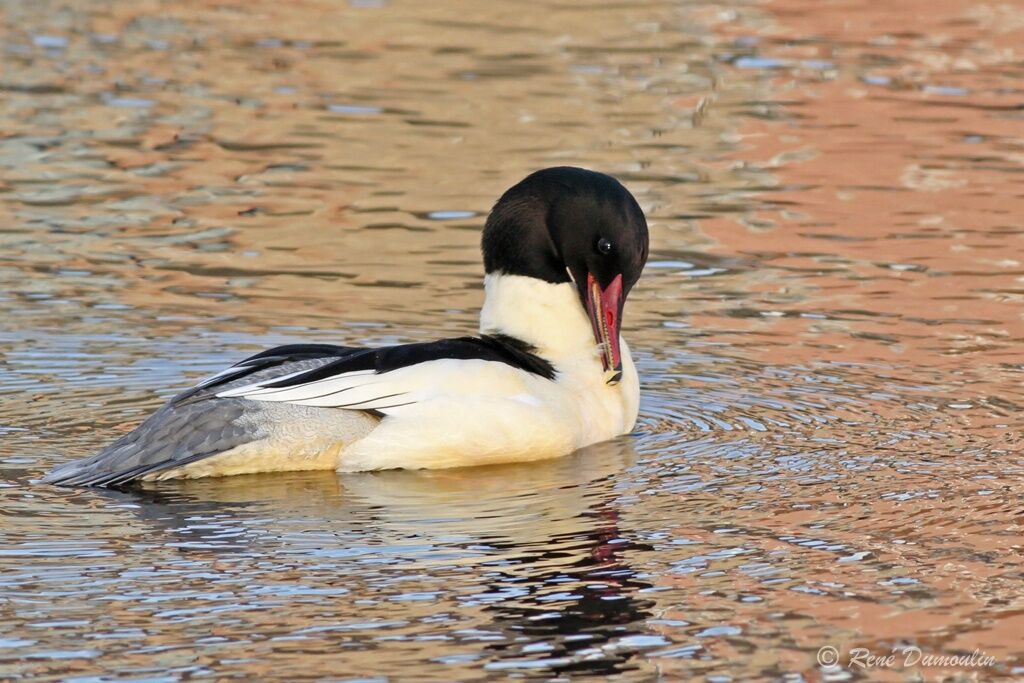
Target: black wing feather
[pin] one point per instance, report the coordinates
(264, 360)
(499, 348)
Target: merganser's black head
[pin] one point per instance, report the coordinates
(569, 224)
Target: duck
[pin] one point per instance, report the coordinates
(548, 373)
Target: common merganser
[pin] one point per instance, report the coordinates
(548, 374)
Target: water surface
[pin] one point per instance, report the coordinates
(828, 333)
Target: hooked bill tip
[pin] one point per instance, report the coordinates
(612, 376)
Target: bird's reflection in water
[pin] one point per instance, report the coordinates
(533, 551)
(575, 607)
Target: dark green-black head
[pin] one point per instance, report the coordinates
(568, 224)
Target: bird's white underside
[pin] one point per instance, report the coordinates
(451, 413)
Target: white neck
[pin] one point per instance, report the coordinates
(551, 318)
(547, 316)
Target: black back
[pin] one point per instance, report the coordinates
(497, 348)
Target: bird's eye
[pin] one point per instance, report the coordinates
(604, 246)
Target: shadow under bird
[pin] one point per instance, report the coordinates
(548, 374)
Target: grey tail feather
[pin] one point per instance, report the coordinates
(195, 424)
(79, 472)
(173, 436)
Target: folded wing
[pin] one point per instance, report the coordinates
(386, 379)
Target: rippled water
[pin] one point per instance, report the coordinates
(828, 333)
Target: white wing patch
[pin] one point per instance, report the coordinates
(363, 389)
(392, 390)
